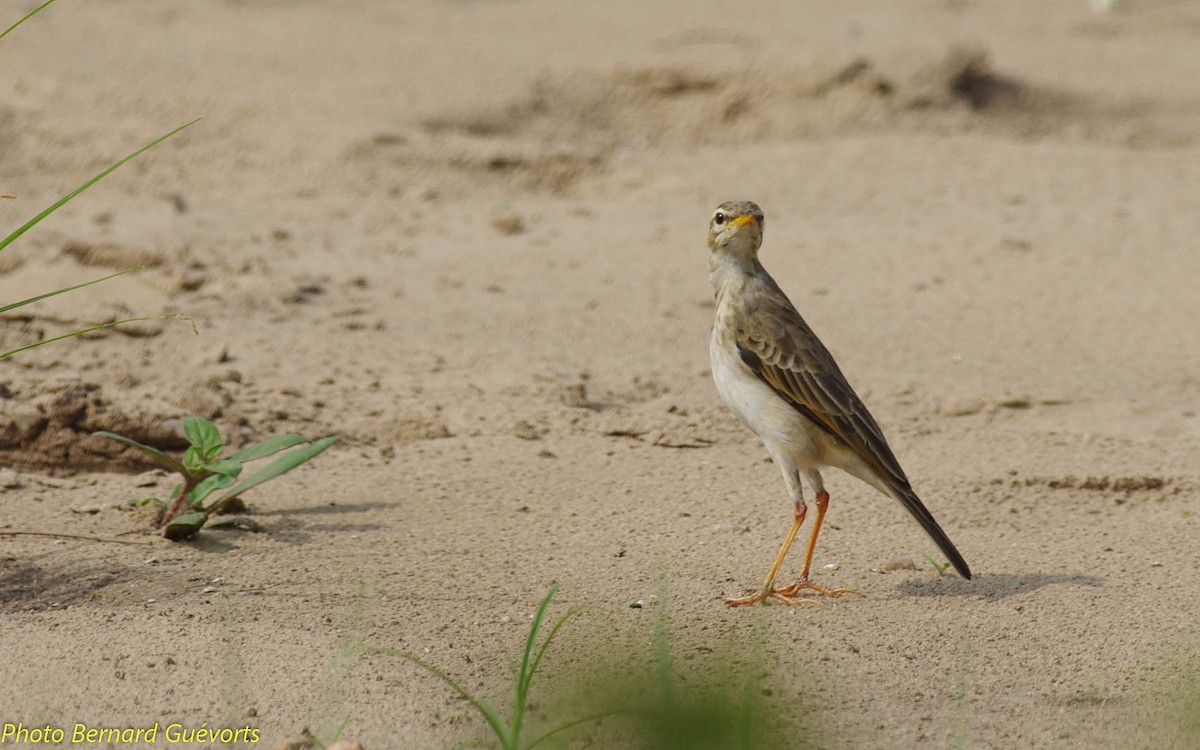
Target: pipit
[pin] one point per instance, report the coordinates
(776, 374)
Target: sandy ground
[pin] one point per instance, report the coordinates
(468, 237)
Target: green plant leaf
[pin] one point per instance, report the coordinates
(207, 486)
(201, 433)
(235, 522)
(281, 465)
(63, 200)
(229, 467)
(939, 567)
(185, 525)
(193, 461)
(154, 453)
(268, 447)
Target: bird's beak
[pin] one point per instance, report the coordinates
(741, 221)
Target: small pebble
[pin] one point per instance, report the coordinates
(9, 479)
(899, 563)
(526, 431)
(508, 224)
(147, 479)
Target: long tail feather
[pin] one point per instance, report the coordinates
(913, 504)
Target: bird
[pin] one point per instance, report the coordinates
(773, 371)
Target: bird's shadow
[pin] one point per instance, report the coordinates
(995, 585)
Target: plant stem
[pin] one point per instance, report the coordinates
(189, 484)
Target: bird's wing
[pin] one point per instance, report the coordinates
(778, 346)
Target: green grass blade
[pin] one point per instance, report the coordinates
(341, 728)
(527, 660)
(528, 664)
(482, 706)
(28, 16)
(80, 332)
(56, 292)
(549, 639)
(268, 447)
(574, 723)
(662, 651)
(153, 453)
(281, 465)
(61, 201)
(315, 741)
(523, 689)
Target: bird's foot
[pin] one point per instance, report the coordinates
(794, 590)
(786, 595)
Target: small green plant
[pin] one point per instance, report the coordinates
(204, 471)
(941, 568)
(508, 734)
(654, 708)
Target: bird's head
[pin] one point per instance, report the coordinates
(736, 228)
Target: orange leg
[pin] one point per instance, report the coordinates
(791, 592)
(768, 590)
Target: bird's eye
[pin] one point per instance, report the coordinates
(719, 219)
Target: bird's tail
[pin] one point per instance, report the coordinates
(913, 504)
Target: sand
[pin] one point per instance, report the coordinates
(468, 238)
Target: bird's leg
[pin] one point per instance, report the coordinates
(794, 590)
(768, 590)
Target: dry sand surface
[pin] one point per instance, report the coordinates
(468, 237)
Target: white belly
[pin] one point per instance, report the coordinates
(781, 428)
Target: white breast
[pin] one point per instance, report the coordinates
(776, 422)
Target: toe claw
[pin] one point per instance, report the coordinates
(792, 601)
(795, 589)
(789, 595)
